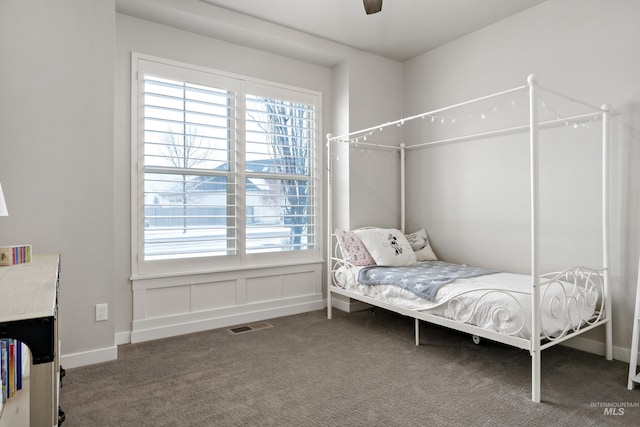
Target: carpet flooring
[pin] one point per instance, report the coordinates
(358, 369)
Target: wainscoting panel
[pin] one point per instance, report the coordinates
(170, 306)
(300, 284)
(208, 296)
(167, 301)
(264, 288)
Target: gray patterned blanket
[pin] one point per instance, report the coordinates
(423, 279)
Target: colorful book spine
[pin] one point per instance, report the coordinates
(10, 368)
(11, 255)
(4, 368)
(18, 365)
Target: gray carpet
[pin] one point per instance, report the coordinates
(359, 369)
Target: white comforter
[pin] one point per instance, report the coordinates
(499, 302)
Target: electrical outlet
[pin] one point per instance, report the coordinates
(102, 312)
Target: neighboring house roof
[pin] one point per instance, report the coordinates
(218, 183)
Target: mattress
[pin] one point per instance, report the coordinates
(499, 302)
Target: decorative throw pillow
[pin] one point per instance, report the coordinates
(352, 248)
(419, 242)
(387, 246)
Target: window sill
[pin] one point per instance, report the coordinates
(246, 268)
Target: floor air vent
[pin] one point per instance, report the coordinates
(250, 328)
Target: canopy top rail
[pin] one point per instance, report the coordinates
(359, 137)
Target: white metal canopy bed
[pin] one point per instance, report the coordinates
(531, 312)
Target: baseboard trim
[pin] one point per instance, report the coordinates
(596, 347)
(91, 357)
(123, 338)
(349, 305)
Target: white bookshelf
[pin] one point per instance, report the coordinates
(29, 313)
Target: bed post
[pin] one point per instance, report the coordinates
(403, 217)
(403, 212)
(329, 232)
(535, 237)
(606, 108)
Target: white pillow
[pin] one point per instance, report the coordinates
(419, 242)
(387, 246)
(352, 249)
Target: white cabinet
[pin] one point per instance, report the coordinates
(29, 313)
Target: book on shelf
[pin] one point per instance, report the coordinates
(10, 368)
(17, 254)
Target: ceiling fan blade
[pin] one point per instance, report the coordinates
(372, 6)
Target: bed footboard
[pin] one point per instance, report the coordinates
(577, 295)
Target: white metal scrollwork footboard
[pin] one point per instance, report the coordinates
(575, 295)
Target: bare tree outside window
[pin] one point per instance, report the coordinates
(186, 151)
(288, 136)
(186, 137)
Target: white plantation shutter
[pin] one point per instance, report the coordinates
(224, 167)
(280, 170)
(189, 189)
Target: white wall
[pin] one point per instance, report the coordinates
(367, 91)
(584, 48)
(375, 96)
(56, 152)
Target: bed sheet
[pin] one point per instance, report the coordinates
(498, 302)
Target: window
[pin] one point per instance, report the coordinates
(225, 167)
(280, 156)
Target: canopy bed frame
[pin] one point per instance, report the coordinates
(584, 282)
